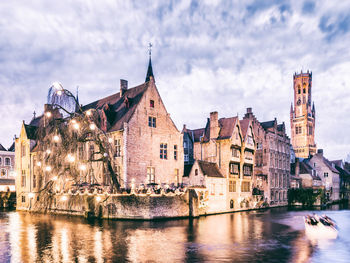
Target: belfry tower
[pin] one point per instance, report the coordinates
(302, 116)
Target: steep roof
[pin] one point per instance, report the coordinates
(30, 131)
(2, 148)
(149, 71)
(12, 147)
(227, 126)
(119, 109)
(210, 169)
(280, 127)
(187, 169)
(244, 126)
(267, 124)
(330, 165)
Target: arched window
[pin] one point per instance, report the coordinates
(196, 172)
(7, 161)
(0, 161)
(232, 204)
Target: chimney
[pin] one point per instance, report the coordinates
(214, 125)
(249, 110)
(320, 152)
(123, 87)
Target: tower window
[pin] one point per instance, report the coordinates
(151, 103)
(163, 151)
(304, 90)
(152, 122)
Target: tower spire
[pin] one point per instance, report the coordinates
(149, 70)
(77, 102)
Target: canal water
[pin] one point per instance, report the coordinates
(274, 235)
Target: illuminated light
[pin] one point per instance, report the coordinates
(70, 158)
(48, 168)
(105, 154)
(56, 138)
(98, 198)
(110, 140)
(88, 113)
(64, 198)
(76, 126)
(31, 195)
(73, 121)
(57, 189)
(38, 164)
(48, 114)
(55, 178)
(59, 92)
(48, 151)
(92, 126)
(82, 167)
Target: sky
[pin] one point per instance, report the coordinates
(207, 56)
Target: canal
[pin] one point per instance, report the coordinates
(274, 235)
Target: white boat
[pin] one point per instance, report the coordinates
(319, 230)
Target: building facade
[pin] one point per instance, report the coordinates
(272, 160)
(147, 146)
(7, 172)
(302, 116)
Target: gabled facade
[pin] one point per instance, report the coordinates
(7, 164)
(272, 160)
(328, 174)
(148, 146)
(344, 179)
(230, 144)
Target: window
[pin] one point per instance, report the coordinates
(235, 153)
(250, 140)
(23, 181)
(232, 204)
(152, 122)
(175, 152)
(196, 172)
(304, 90)
(0, 161)
(23, 199)
(212, 189)
(91, 151)
(185, 144)
(117, 147)
(151, 103)
(23, 150)
(150, 175)
(81, 152)
(177, 181)
(310, 130)
(232, 186)
(3, 172)
(34, 180)
(186, 159)
(163, 151)
(234, 169)
(325, 174)
(245, 186)
(299, 90)
(247, 170)
(248, 155)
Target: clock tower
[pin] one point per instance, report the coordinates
(302, 116)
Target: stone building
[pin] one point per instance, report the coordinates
(304, 175)
(328, 174)
(272, 160)
(344, 179)
(7, 164)
(230, 144)
(148, 146)
(302, 116)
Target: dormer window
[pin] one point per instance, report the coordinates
(151, 103)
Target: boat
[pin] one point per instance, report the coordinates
(323, 227)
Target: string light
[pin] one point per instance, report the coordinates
(71, 158)
(88, 113)
(82, 167)
(76, 126)
(48, 168)
(92, 126)
(48, 151)
(59, 92)
(38, 164)
(64, 198)
(98, 198)
(48, 114)
(55, 178)
(31, 195)
(110, 140)
(56, 138)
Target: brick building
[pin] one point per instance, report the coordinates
(229, 144)
(272, 160)
(148, 146)
(302, 116)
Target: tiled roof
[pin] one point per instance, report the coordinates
(30, 131)
(280, 127)
(329, 164)
(119, 109)
(2, 148)
(12, 147)
(244, 126)
(267, 124)
(227, 126)
(197, 134)
(210, 169)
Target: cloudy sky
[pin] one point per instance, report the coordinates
(207, 55)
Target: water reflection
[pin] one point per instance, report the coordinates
(258, 236)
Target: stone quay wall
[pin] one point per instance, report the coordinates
(120, 206)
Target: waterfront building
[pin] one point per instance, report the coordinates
(303, 175)
(328, 174)
(272, 160)
(7, 173)
(344, 179)
(147, 145)
(230, 144)
(302, 116)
